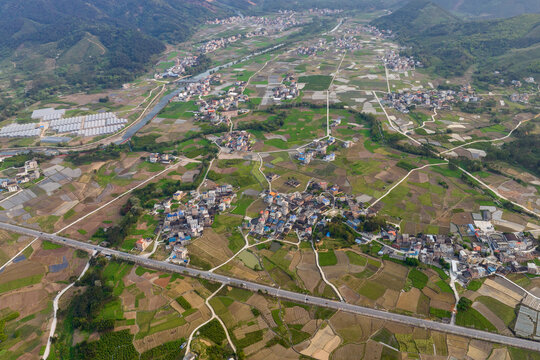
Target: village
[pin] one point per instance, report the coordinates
(287, 90)
(236, 141)
(217, 109)
(192, 213)
(430, 99)
(474, 250)
(319, 150)
(282, 22)
(348, 43)
(29, 172)
(471, 250)
(393, 61)
(378, 33)
(180, 67)
(313, 48)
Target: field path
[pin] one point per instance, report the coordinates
(168, 168)
(214, 316)
(402, 180)
(55, 309)
(323, 276)
(18, 254)
(441, 154)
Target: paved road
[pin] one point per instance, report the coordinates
(283, 294)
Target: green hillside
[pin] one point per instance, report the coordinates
(490, 8)
(416, 16)
(449, 46)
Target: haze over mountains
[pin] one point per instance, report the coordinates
(490, 8)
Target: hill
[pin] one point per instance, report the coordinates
(449, 46)
(415, 17)
(490, 8)
(97, 42)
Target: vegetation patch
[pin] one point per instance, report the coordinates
(183, 303)
(356, 259)
(440, 313)
(47, 245)
(472, 318)
(372, 290)
(418, 278)
(316, 82)
(444, 286)
(20, 283)
(503, 311)
(213, 331)
(475, 285)
(327, 258)
(140, 271)
(118, 345)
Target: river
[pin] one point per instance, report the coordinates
(167, 98)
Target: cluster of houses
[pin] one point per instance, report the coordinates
(155, 158)
(286, 212)
(312, 49)
(287, 90)
(199, 88)
(179, 68)
(348, 43)
(474, 250)
(274, 24)
(223, 107)
(431, 99)
(393, 61)
(319, 150)
(381, 34)
(29, 172)
(301, 212)
(236, 141)
(325, 11)
(522, 98)
(528, 80)
(215, 44)
(188, 220)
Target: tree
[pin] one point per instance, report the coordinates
(464, 304)
(412, 261)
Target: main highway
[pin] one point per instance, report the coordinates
(280, 293)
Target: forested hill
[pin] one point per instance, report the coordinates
(490, 8)
(449, 46)
(97, 42)
(416, 17)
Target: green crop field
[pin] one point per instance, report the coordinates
(444, 286)
(356, 259)
(179, 110)
(327, 258)
(472, 318)
(440, 313)
(475, 284)
(316, 82)
(418, 278)
(47, 245)
(20, 283)
(503, 311)
(372, 290)
(249, 259)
